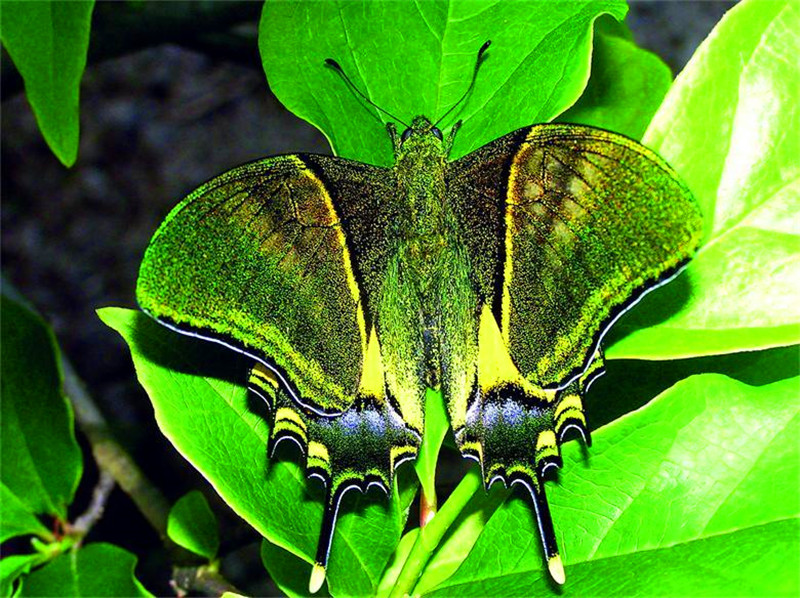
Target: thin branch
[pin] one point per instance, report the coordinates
(111, 457)
(205, 579)
(427, 508)
(94, 512)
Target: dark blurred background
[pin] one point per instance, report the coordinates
(162, 110)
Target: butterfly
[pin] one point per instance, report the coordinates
(493, 278)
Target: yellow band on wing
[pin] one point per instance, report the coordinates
(495, 366)
(261, 374)
(317, 450)
(372, 384)
(568, 402)
(287, 415)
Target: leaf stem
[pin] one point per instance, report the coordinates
(431, 535)
(427, 507)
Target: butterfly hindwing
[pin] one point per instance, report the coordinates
(283, 260)
(566, 226)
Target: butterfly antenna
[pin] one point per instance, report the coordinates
(338, 68)
(478, 61)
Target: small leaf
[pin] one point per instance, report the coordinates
(695, 490)
(289, 573)
(219, 428)
(48, 42)
(18, 519)
(12, 567)
(94, 570)
(436, 426)
(536, 68)
(192, 524)
(729, 127)
(41, 461)
(626, 86)
(395, 566)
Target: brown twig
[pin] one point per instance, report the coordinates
(111, 457)
(94, 511)
(205, 579)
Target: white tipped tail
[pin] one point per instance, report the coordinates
(318, 578)
(556, 568)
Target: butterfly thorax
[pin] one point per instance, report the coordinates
(427, 250)
(421, 157)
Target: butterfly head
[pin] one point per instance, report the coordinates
(421, 126)
(422, 138)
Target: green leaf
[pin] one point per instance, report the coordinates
(632, 383)
(536, 68)
(626, 86)
(288, 572)
(94, 570)
(40, 461)
(395, 566)
(749, 562)
(48, 42)
(436, 426)
(696, 492)
(12, 567)
(192, 524)
(17, 518)
(217, 427)
(460, 538)
(729, 127)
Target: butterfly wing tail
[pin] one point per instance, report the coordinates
(535, 487)
(514, 430)
(512, 435)
(355, 450)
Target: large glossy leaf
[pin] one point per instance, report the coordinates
(48, 41)
(94, 570)
(694, 494)
(626, 86)
(40, 461)
(416, 58)
(729, 126)
(212, 421)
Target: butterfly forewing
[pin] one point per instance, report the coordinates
(583, 222)
(256, 258)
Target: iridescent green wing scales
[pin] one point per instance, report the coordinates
(283, 260)
(256, 259)
(566, 226)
